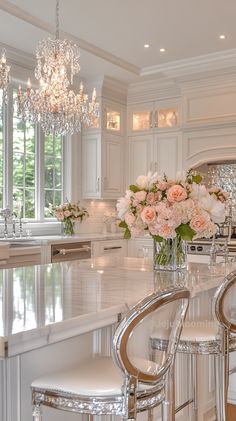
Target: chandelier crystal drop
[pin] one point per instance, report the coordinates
(57, 108)
(4, 76)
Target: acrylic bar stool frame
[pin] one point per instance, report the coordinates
(141, 390)
(220, 347)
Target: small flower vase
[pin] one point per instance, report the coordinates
(68, 227)
(170, 254)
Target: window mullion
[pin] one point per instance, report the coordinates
(39, 187)
(8, 152)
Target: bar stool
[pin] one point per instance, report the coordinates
(218, 340)
(128, 382)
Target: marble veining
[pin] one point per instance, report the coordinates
(47, 303)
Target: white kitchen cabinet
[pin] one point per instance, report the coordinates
(110, 248)
(155, 115)
(103, 156)
(160, 153)
(102, 166)
(140, 155)
(91, 165)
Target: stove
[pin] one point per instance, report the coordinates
(202, 246)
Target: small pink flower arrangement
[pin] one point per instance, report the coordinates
(167, 208)
(69, 213)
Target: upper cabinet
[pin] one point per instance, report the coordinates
(153, 116)
(113, 118)
(103, 154)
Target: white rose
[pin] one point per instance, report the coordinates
(214, 207)
(142, 182)
(198, 191)
(122, 206)
(146, 181)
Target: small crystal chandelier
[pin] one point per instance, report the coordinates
(4, 76)
(57, 108)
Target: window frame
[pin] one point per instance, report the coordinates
(39, 163)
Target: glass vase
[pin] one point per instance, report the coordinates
(170, 254)
(68, 227)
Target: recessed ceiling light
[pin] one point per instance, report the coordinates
(162, 50)
(146, 45)
(222, 36)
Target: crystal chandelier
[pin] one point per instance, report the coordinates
(4, 76)
(57, 108)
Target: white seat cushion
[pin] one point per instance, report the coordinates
(98, 377)
(203, 333)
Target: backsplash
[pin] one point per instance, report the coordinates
(97, 209)
(223, 175)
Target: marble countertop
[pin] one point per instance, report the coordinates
(44, 304)
(54, 239)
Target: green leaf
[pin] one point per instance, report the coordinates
(185, 232)
(123, 224)
(127, 234)
(134, 188)
(157, 238)
(197, 178)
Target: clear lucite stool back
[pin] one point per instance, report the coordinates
(131, 344)
(141, 382)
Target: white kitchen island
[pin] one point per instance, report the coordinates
(52, 316)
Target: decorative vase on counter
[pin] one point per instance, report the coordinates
(68, 227)
(170, 254)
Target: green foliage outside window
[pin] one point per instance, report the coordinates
(1, 152)
(52, 173)
(23, 167)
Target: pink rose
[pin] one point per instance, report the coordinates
(148, 214)
(167, 231)
(162, 185)
(151, 198)
(140, 196)
(67, 213)
(199, 222)
(139, 208)
(176, 193)
(130, 218)
(59, 215)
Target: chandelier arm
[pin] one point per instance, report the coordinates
(57, 19)
(54, 104)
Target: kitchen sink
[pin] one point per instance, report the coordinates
(19, 242)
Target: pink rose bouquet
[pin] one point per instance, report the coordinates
(69, 213)
(176, 210)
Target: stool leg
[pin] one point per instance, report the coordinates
(193, 362)
(37, 412)
(222, 379)
(218, 387)
(168, 406)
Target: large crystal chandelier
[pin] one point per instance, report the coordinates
(4, 76)
(57, 108)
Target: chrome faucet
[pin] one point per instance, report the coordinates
(6, 214)
(216, 249)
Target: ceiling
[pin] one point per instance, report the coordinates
(112, 33)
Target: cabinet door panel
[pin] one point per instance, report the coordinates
(139, 156)
(166, 153)
(90, 167)
(113, 167)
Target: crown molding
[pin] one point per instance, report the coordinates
(21, 14)
(152, 90)
(204, 63)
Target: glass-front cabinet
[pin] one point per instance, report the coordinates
(153, 115)
(113, 117)
(113, 120)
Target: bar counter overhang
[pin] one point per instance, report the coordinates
(41, 305)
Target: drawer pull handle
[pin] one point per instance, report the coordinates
(113, 248)
(69, 251)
